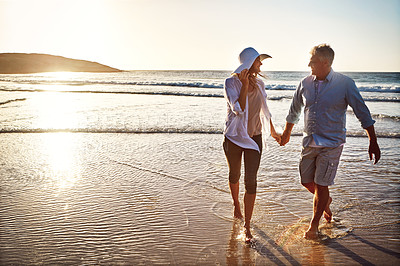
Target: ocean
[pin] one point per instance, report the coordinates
(112, 102)
(128, 167)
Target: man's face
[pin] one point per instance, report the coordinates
(318, 66)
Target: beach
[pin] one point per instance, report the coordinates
(128, 168)
(133, 198)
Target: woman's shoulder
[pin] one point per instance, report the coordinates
(233, 79)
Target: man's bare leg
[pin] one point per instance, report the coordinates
(327, 211)
(249, 200)
(321, 198)
(235, 197)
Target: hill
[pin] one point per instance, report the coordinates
(20, 63)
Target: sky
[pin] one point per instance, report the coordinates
(205, 34)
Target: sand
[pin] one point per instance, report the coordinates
(82, 198)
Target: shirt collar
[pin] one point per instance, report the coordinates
(328, 78)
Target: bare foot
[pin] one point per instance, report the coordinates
(311, 234)
(249, 236)
(237, 214)
(327, 211)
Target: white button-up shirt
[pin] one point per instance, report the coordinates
(237, 119)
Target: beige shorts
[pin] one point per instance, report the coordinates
(319, 165)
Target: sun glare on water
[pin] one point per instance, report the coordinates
(61, 75)
(56, 111)
(56, 107)
(61, 159)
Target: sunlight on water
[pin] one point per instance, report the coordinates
(61, 159)
(61, 75)
(55, 111)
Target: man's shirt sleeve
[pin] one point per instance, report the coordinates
(296, 106)
(360, 109)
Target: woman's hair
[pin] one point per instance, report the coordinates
(261, 75)
(323, 51)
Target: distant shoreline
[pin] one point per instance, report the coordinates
(23, 63)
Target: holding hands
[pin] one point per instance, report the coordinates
(283, 138)
(274, 134)
(286, 134)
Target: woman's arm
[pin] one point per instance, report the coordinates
(274, 134)
(244, 79)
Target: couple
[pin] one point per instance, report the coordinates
(325, 95)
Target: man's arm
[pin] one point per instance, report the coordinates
(293, 116)
(363, 114)
(286, 133)
(373, 144)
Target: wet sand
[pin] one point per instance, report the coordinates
(82, 198)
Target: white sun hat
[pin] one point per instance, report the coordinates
(247, 57)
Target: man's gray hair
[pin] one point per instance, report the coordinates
(323, 51)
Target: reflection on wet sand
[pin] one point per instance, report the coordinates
(335, 239)
(238, 253)
(262, 249)
(317, 255)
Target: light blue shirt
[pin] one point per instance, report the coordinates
(325, 109)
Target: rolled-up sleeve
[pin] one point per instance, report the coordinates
(296, 106)
(232, 93)
(360, 109)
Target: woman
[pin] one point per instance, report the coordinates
(248, 119)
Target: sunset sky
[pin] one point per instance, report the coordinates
(205, 34)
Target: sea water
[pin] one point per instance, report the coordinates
(113, 142)
(192, 101)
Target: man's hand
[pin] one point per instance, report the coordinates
(285, 137)
(286, 134)
(374, 149)
(373, 144)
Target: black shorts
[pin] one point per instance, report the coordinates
(252, 159)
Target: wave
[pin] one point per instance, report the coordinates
(190, 84)
(375, 88)
(160, 131)
(132, 83)
(363, 88)
(180, 93)
(393, 118)
(13, 100)
(386, 117)
(170, 93)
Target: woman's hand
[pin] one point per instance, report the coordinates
(244, 78)
(274, 134)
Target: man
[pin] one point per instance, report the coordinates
(325, 96)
